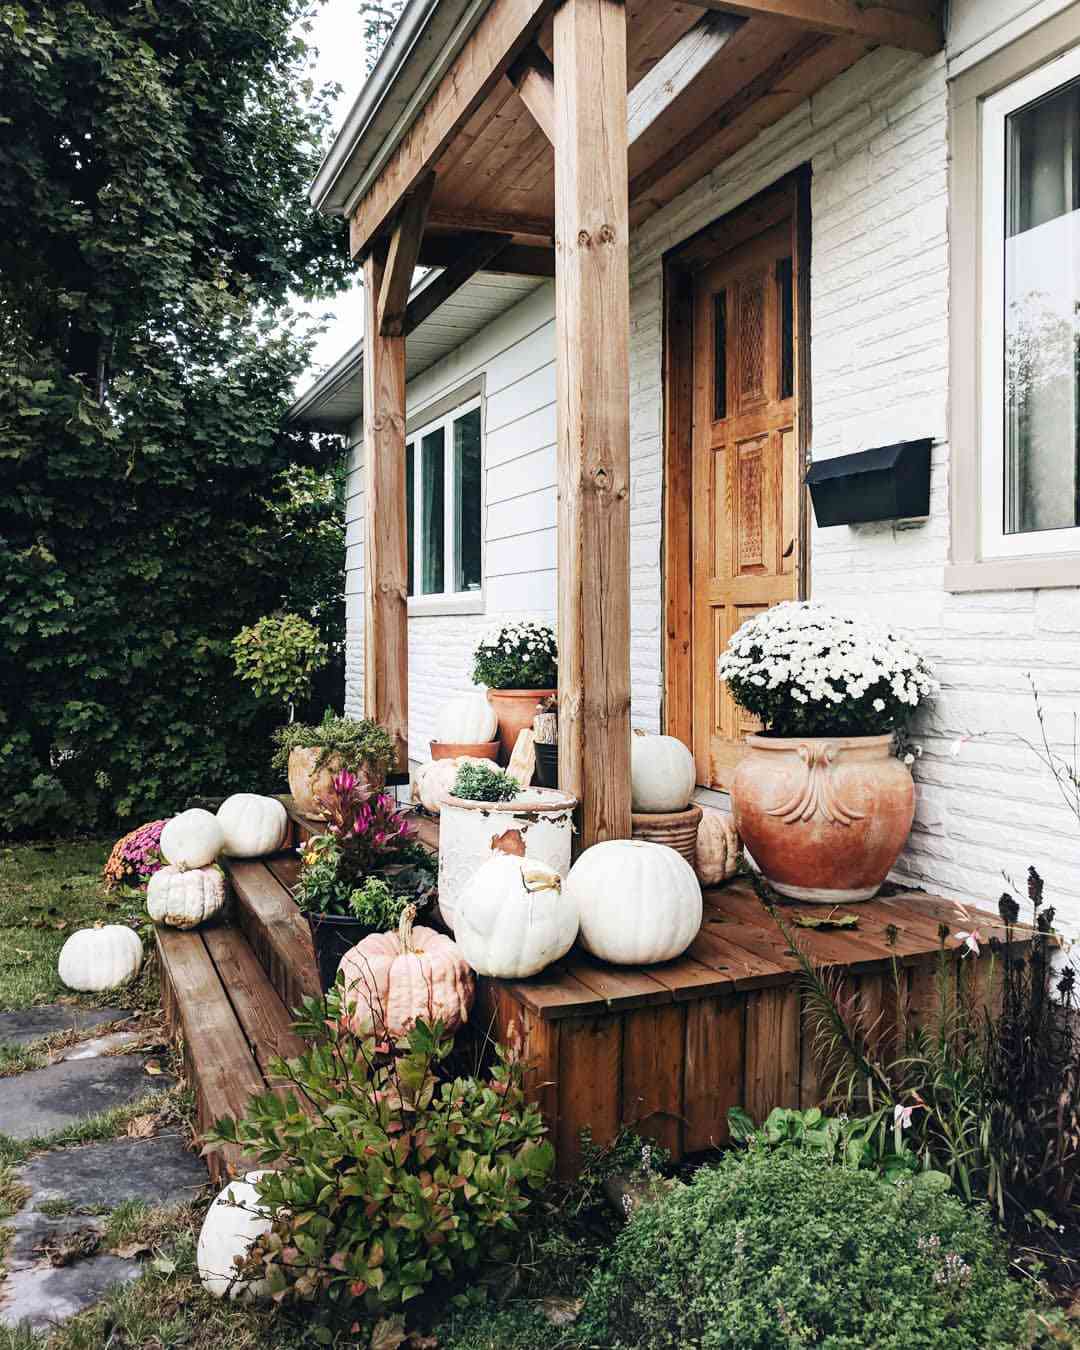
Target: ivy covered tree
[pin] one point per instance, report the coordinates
(154, 223)
(379, 18)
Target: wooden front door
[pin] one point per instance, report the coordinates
(744, 464)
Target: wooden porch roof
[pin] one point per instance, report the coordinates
(704, 79)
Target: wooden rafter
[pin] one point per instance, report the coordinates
(534, 79)
(512, 259)
(910, 24)
(676, 70)
(452, 279)
(401, 259)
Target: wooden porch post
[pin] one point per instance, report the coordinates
(592, 328)
(386, 616)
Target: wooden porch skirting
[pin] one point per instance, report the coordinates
(664, 1049)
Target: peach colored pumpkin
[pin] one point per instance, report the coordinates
(394, 980)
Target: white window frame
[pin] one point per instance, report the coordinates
(994, 113)
(447, 602)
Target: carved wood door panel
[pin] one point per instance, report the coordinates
(745, 470)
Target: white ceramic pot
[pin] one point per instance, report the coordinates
(467, 830)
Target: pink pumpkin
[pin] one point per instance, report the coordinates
(394, 980)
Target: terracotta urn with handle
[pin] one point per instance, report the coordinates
(823, 817)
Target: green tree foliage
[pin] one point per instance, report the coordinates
(379, 18)
(154, 160)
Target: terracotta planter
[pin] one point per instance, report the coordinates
(823, 817)
(307, 784)
(515, 709)
(454, 749)
(674, 829)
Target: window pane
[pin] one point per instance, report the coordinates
(1042, 303)
(719, 302)
(432, 512)
(410, 510)
(467, 502)
(786, 296)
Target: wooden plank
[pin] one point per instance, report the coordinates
(386, 613)
(688, 978)
(618, 986)
(713, 1071)
(533, 77)
(505, 30)
(423, 305)
(590, 1076)
(851, 948)
(449, 217)
(915, 26)
(678, 500)
(746, 969)
(401, 258)
(555, 994)
(523, 260)
(687, 61)
(277, 931)
(772, 1050)
(592, 344)
(652, 1074)
(263, 1017)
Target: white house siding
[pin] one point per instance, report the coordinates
(516, 355)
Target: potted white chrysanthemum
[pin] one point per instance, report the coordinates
(518, 662)
(821, 802)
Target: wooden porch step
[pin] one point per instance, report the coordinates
(275, 929)
(220, 1005)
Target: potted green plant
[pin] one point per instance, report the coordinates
(278, 656)
(820, 801)
(519, 663)
(311, 756)
(359, 875)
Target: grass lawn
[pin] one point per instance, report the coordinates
(47, 891)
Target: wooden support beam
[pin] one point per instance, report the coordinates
(592, 364)
(401, 258)
(386, 575)
(513, 259)
(506, 29)
(534, 79)
(452, 279)
(676, 70)
(497, 222)
(912, 24)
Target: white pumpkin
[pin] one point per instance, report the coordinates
(514, 918)
(637, 902)
(232, 1224)
(252, 825)
(185, 899)
(100, 958)
(468, 719)
(192, 839)
(433, 781)
(662, 774)
(717, 856)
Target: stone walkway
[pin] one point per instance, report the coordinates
(56, 1265)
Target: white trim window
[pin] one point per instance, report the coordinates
(444, 487)
(1030, 282)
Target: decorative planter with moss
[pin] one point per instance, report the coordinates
(518, 662)
(311, 756)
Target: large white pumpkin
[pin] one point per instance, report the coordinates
(514, 918)
(662, 774)
(100, 958)
(252, 825)
(717, 855)
(192, 839)
(468, 719)
(232, 1224)
(638, 902)
(185, 899)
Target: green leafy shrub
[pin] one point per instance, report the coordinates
(357, 743)
(479, 783)
(278, 657)
(375, 904)
(770, 1249)
(517, 656)
(406, 1175)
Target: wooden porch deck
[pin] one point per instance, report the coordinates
(666, 1049)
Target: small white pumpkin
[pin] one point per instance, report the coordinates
(252, 825)
(192, 839)
(468, 719)
(514, 918)
(662, 774)
(433, 781)
(638, 902)
(100, 958)
(232, 1224)
(185, 899)
(717, 857)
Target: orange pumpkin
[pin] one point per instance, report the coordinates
(394, 980)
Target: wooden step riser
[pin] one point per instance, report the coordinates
(276, 930)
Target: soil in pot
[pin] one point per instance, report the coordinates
(515, 709)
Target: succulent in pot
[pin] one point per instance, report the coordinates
(358, 876)
(820, 801)
(312, 755)
(519, 663)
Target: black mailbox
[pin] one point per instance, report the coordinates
(890, 482)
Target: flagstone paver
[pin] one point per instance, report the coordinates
(26, 1025)
(46, 1100)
